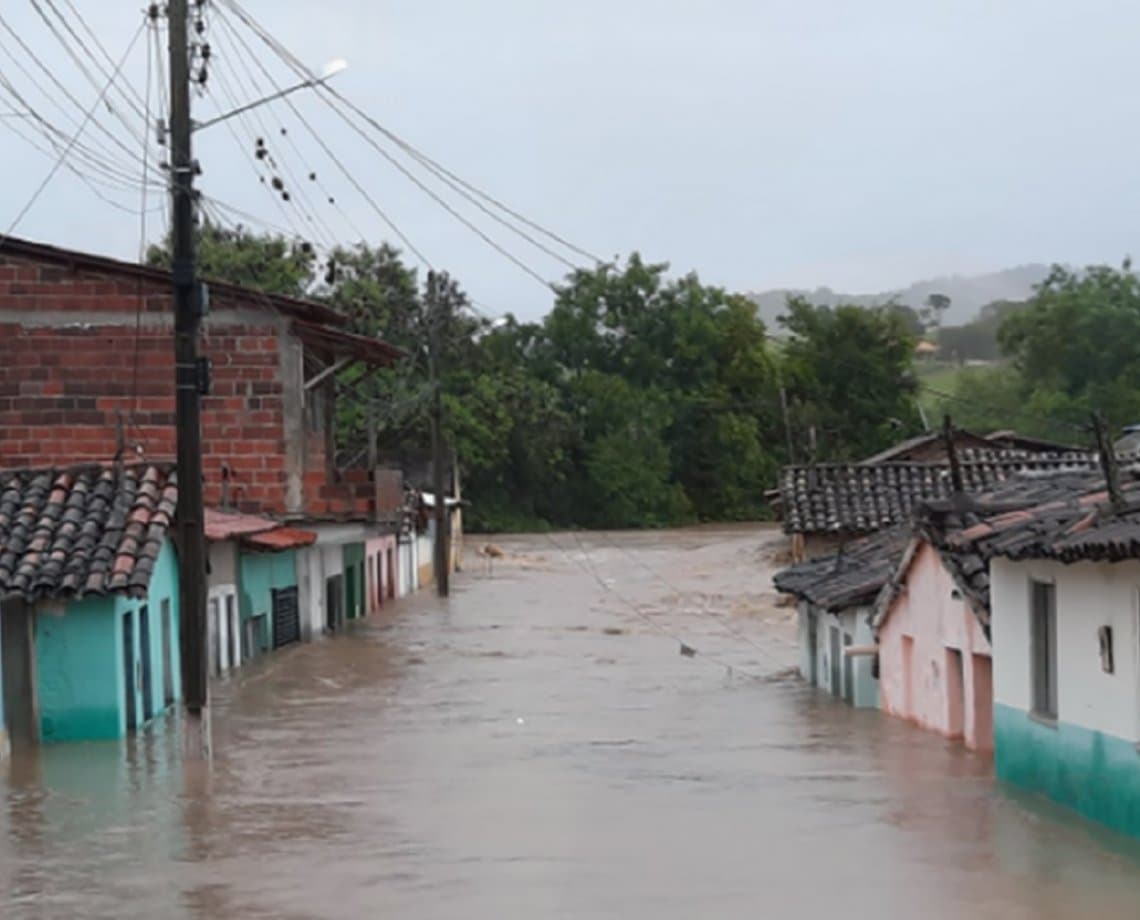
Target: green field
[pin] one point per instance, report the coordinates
(937, 377)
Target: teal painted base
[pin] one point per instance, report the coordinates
(1095, 774)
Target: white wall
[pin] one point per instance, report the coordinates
(1089, 595)
(851, 622)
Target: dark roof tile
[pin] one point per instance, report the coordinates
(89, 530)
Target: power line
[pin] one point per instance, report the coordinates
(67, 150)
(90, 113)
(467, 189)
(415, 180)
(686, 648)
(727, 626)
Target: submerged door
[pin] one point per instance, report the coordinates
(848, 673)
(234, 632)
(812, 650)
(836, 674)
(167, 653)
(391, 574)
(129, 668)
(286, 617)
(145, 660)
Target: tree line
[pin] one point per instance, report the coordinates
(644, 399)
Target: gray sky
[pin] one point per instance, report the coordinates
(763, 143)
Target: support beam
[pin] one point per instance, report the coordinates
(333, 368)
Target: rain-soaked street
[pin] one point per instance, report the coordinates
(539, 748)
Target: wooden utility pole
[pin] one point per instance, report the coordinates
(952, 453)
(1108, 462)
(438, 448)
(189, 302)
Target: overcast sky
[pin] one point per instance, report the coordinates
(763, 143)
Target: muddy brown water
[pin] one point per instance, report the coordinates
(537, 747)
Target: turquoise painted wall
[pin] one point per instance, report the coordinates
(80, 659)
(259, 574)
(1095, 774)
(355, 593)
(79, 668)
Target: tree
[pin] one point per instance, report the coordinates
(271, 264)
(935, 308)
(848, 371)
(1077, 344)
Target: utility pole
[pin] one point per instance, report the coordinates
(188, 306)
(952, 453)
(438, 448)
(1108, 463)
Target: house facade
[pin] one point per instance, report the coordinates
(86, 373)
(935, 667)
(1067, 684)
(835, 596)
(88, 601)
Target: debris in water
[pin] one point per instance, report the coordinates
(613, 631)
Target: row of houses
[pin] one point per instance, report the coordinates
(1005, 613)
(298, 545)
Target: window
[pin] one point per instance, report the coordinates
(1043, 643)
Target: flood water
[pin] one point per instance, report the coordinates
(537, 747)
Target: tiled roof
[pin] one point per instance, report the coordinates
(1072, 524)
(952, 526)
(280, 538)
(225, 525)
(88, 530)
(855, 498)
(851, 577)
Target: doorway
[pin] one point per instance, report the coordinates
(813, 650)
(836, 673)
(146, 662)
(982, 703)
(333, 600)
(848, 672)
(234, 632)
(391, 583)
(167, 653)
(17, 646)
(129, 668)
(955, 694)
(286, 617)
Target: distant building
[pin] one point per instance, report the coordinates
(836, 594)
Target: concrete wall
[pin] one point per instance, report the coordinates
(380, 573)
(425, 556)
(1087, 758)
(924, 636)
(259, 575)
(856, 681)
(407, 566)
(223, 563)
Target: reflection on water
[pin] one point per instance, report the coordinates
(537, 748)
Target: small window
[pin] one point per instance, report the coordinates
(1043, 638)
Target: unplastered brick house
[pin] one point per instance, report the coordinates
(87, 375)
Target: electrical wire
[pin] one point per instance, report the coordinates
(686, 648)
(89, 113)
(456, 182)
(415, 180)
(67, 150)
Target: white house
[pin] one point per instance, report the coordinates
(835, 595)
(1065, 602)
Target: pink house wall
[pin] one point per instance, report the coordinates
(934, 659)
(376, 564)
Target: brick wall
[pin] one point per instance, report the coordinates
(81, 350)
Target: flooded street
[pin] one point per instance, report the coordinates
(538, 747)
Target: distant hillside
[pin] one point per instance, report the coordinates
(967, 294)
